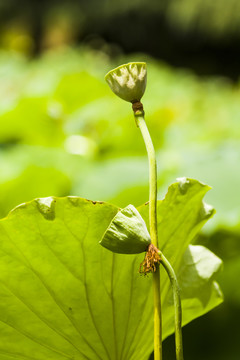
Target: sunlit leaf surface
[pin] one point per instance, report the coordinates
(63, 296)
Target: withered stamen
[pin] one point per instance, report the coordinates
(151, 260)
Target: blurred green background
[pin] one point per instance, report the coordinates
(62, 131)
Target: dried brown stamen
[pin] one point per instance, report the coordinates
(151, 260)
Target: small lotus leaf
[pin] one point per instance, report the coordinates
(127, 233)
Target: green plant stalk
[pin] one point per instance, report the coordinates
(177, 305)
(139, 117)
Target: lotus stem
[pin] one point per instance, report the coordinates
(139, 118)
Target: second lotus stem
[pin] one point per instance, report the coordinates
(177, 305)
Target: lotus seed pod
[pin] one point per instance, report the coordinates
(128, 81)
(127, 233)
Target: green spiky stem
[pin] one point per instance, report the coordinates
(177, 306)
(139, 117)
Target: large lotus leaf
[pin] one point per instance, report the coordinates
(63, 296)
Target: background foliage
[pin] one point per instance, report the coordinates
(64, 133)
(192, 33)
